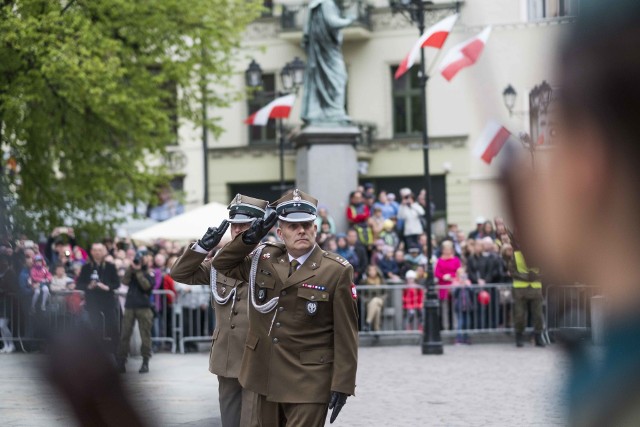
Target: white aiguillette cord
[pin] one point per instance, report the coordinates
(214, 291)
(272, 303)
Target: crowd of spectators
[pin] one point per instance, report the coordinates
(386, 243)
(37, 277)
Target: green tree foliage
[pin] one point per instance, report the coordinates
(88, 94)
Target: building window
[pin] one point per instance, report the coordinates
(407, 104)
(267, 8)
(550, 9)
(263, 134)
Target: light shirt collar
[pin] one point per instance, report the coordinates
(301, 259)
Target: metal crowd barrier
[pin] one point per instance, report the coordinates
(400, 308)
(164, 322)
(569, 307)
(194, 317)
(390, 309)
(64, 310)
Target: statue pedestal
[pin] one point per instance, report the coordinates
(327, 167)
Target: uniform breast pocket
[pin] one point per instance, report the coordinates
(223, 289)
(312, 305)
(265, 285)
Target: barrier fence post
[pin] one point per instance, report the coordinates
(597, 319)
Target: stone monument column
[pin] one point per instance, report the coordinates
(326, 163)
(327, 167)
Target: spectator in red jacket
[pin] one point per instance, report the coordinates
(412, 300)
(358, 214)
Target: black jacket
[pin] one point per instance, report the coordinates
(139, 294)
(97, 297)
(363, 261)
(488, 268)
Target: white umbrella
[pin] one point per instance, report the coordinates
(187, 226)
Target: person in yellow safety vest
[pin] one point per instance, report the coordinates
(527, 288)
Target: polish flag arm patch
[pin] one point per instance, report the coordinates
(354, 294)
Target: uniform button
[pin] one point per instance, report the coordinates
(278, 325)
(276, 340)
(281, 309)
(237, 298)
(283, 293)
(322, 359)
(235, 312)
(313, 297)
(233, 326)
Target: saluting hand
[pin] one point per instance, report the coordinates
(337, 402)
(259, 229)
(213, 236)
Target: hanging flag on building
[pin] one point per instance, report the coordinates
(279, 108)
(464, 54)
(434, 36)
(491, 141)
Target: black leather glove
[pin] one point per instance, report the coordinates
(213, 236)
(337, 402)
(259, 229)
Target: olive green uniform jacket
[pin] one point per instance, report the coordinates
(232, 324)
(308, 345)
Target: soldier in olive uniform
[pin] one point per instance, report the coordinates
(229, 298)
(301, 350)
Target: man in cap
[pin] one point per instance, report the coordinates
(301, 353)
(229, 298)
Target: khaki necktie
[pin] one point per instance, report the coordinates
(293, 266)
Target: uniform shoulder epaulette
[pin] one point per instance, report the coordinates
(275, 245)
(337, 258)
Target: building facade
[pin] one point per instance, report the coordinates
(520, 52)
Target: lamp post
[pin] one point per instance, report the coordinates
(415, 11)
(291, 77)
(540, 98)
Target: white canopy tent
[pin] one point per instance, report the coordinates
(186, 227)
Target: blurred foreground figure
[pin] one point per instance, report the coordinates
(81, 368)
(578, 213)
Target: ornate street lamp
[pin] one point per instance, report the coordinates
(415, 11)
(286, 76)
(545, 92)
(297, 68)
(509, 96)
(253, 75)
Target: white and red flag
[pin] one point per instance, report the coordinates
(279, 108)
(464, 54)
(434, 36)
(491, 141)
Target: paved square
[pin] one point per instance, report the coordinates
(479, 385)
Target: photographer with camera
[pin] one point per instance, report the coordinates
(137, 307)
(411, 213)
(99, 279)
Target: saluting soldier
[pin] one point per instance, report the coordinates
(229, 298)
(302, 347)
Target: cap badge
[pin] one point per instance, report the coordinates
(296, 195)
(266, 256)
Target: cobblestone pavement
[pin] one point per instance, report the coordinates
(480, 385)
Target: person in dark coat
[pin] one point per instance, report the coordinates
(99, 279)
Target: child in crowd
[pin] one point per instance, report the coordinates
(40, 280)
(412, 300)
(60, 281)
(462, 304)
